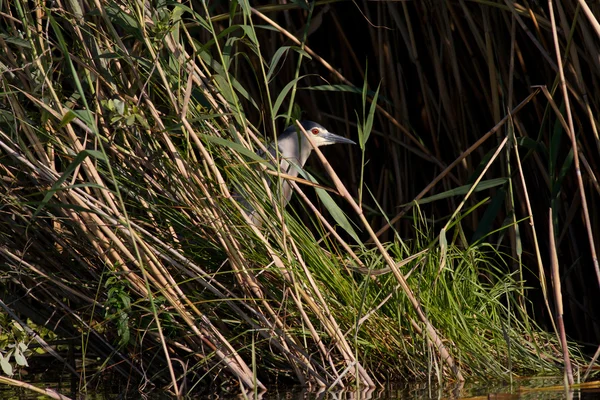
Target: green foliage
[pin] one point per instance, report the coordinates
(14, 348)
(128, 139)
(118, 307)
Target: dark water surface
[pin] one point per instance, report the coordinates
(528, 388)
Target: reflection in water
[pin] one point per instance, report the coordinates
(529, 388)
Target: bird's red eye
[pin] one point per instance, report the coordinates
(314, 131)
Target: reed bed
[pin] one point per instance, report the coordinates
(129, 134)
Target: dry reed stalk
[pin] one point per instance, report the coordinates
(562, 335)
(571, 133)
(431, 332)
(442, 235)
(158, 279)
(457, 161)
(35, 336)
(44, 392)
(341, 78)
(327, 318)
(590, 15)
(249, 280)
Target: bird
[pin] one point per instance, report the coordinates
(294, 150)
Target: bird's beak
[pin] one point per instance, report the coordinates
(331, 138)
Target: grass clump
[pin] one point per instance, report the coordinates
(126, 141)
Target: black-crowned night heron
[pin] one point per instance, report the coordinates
(294, 150)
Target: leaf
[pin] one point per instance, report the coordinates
(364, 89)
(67, 118)
(119, 106)
(359, 128)
(564, 169)
(20, 358)
(336, 88)
(284, 93)
(528, 143)
(16, 41)
(462, 190)
(5, 364)
(177, 14)
(85, 116)
(223, 84)
(335, 211)
(302, 4)
(347, 89)
(337, 214)
(250, 33)
(518, 240)
(124, 20)
(245, 6)
(70, 169)
(237, 147)
(275, 60)
(205, 47)
(228, 51)
(486, 222)
(369, 122)
(443, 250)
(555, 146)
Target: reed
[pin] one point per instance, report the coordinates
(128, 132)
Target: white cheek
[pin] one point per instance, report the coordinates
(319, 141)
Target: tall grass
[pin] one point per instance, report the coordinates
(129, 135)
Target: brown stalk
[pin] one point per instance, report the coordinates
(330, 323)
(574, 145)
(338, 75)
(466, 153)
(431, 332)
(571, 133)
(590, 16)
(38, 338)
(562, 335)
(324, 221)
(45, 392)
(347, 352)
(536, 244)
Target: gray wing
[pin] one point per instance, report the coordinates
(286, 189)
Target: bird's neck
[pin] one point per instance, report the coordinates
(296, 150)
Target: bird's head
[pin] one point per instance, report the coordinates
(294, 145)
(320, 134)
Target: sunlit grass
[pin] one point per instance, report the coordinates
(129, 166)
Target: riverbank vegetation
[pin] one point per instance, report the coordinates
(446, 245)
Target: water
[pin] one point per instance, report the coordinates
(528, 388)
